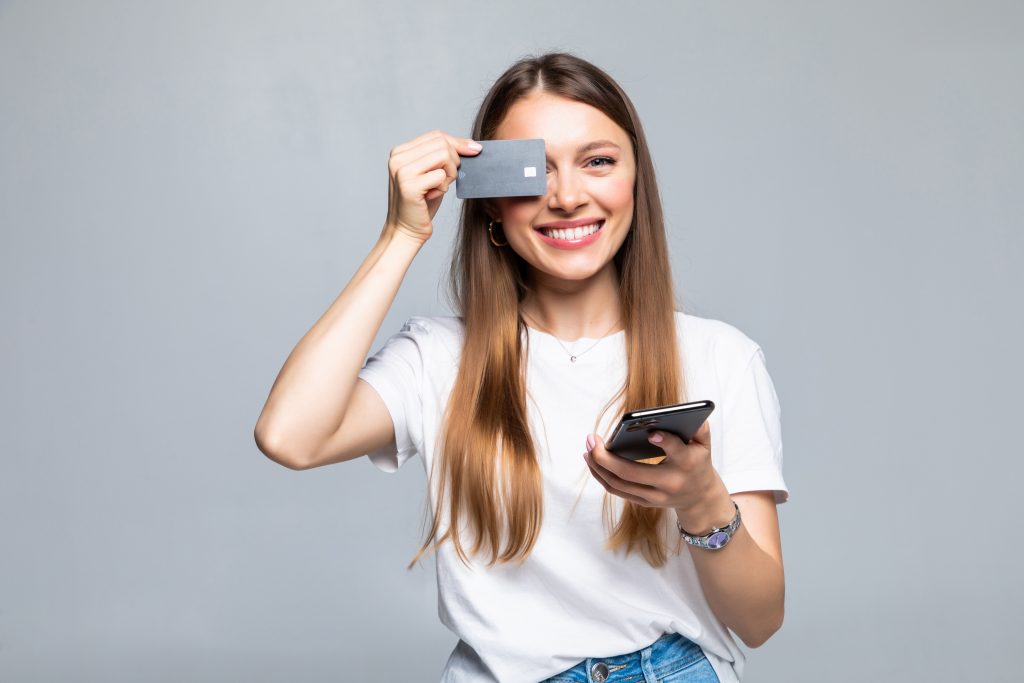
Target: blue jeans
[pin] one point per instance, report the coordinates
(670, 659)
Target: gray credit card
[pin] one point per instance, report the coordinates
(503, 168)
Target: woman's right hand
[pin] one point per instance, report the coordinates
(419, 173)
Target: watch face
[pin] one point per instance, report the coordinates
(717, 540)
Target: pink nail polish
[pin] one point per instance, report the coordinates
(655, 437)
(590, 442)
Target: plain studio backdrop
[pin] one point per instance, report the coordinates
(185, 187)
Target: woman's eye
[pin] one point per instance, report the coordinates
(609, 160)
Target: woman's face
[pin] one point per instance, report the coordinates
(590, 172)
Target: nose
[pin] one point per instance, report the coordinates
(565, 191)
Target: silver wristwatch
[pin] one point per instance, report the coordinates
(717, 538)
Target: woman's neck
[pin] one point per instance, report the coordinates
(573, 309)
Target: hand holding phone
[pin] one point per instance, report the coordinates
(629, 440)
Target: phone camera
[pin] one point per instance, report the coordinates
(642, 424)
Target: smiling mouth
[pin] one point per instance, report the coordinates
(571, 234)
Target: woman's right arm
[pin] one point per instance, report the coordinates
(317, 411)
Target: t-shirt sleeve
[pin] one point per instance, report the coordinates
(395, 372)
(752, 440)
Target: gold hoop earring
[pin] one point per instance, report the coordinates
(490, 232)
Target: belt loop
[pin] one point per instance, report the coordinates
(645, 662)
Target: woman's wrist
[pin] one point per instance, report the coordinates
(715, 512)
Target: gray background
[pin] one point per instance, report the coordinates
(185, 188)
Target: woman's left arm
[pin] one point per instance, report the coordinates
(743, 582)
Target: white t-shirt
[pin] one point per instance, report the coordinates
(572, 599)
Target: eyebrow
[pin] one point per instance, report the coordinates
(596, 144)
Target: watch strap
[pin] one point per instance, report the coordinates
(717, 538)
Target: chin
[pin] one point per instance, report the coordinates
(574, 274)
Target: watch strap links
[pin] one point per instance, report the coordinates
(717, 538)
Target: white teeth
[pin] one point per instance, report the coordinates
(574, 233)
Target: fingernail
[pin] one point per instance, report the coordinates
(472, 144)
(590, 442)
(655, 437)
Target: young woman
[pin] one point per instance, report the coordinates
(568, 562)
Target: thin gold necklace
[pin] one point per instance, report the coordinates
(574, 356)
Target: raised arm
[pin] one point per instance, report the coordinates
(303, 423)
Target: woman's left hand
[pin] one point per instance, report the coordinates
(684, 480)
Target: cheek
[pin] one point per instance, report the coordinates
(519, 211)
(619, 192)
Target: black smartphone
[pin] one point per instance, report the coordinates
(629, 440)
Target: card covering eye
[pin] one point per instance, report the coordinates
(503, 168)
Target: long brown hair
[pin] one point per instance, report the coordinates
(487, 462)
